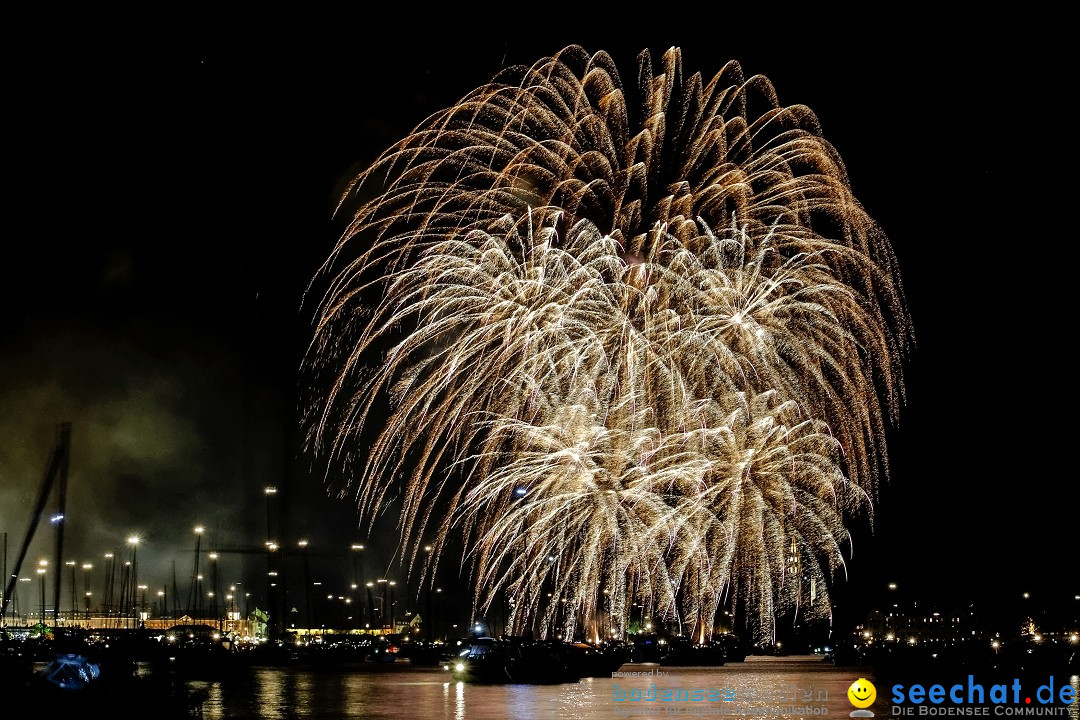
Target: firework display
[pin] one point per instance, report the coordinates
(626, 344)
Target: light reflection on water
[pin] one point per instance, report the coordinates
(422, 692)
(429, 693)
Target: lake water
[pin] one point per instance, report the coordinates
(762, 687)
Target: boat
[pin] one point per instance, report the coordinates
(588, 660)
(483, 660)
(488, 660)
(682, 652)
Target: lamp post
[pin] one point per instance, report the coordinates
(195, 589)
(307, 584)
(214, 590)
(15, 610)
(42, 565)
(74, 607)
(357, 572)
(271, 585)
(270, 492)
(110, 572)
(393, 627)
(428, 619)
(384, 605)
(439, 607)
(87, 567)
(357, 549)
(123, 603)
(370, 603)
(134, 542)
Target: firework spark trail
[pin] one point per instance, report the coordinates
(641, 344)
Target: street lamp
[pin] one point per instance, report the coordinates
(429, 621)
(393, 626)
(194, 601)
(214, 590)
(271, 621)
(42, 566)
(134, 542)
(15, 598)
(74, 608)
(269, 491)
(357, 549)
(107, 591)
(433, 623)
(357, 558)
(384, 605)
(307, 584)
(87, 567)
(124, 602)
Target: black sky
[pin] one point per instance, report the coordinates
(170, 196)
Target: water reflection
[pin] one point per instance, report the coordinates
(761, 687)
(392, 692)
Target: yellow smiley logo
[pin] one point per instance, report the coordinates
(862, 693)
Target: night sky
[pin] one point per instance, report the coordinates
(170, 198)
